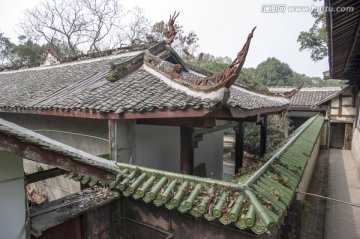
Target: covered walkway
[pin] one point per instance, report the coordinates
(342, 221)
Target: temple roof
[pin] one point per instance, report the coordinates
(309, 96)
(153, 79)
(257, 198)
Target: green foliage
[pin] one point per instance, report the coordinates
(276, 133)
(248, 77)
(6, 48)
(209, 62)
(315, 39)
(252, 138)
(28, 52)
(25, 53)
(270, 72)
(274, 72)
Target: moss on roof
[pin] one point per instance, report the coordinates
(259, 201)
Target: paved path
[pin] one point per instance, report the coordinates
(342, 221)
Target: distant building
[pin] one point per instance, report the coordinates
(337, 105)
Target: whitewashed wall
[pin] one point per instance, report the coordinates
(12, 197)
(159, 147)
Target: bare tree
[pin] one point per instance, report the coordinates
(137, 27)
(103, 19)
(79, 25)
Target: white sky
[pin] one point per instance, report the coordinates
(222, 27)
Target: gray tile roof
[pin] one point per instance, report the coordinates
(309, 96)
(83, 86)
(241, 98)
(26, 88)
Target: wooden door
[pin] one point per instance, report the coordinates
(337, 133)
(348, 136)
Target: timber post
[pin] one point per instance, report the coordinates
(239, 147)
(186, 150)
(263, 136)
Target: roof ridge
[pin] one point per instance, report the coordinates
(82, 57)
(260, 206)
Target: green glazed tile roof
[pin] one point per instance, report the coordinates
(257, 198)
(259, 202)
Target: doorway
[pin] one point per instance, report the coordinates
(337, 133)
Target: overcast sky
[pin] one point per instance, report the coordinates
(222, 27)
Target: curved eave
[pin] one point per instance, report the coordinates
(343, 32)
(238, 113)
(127, 115)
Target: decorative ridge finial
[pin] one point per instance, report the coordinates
(286, 94)
(175, 72)
(171, 33)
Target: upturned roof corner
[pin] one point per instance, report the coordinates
(174, 69)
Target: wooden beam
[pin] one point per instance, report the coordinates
(247, 119)
(239, 147)
(216, 128)
(263, 136)
(186, 150)
(42, 175)
(239, 114)
(202, 122)
(35, 153)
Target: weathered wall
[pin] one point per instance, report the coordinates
(103, 222)
(304, 184)
(12, 195)
(142, 220)
(92, 127)
(344, 112)
(355, 149)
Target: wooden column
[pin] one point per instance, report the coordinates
(121, 140)
(239, 147)
(340, 106)
(186, 150)
(263, 136)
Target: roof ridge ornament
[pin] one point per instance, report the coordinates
(170, 34)
(286, 94)
(207, 84)
(50, 58)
